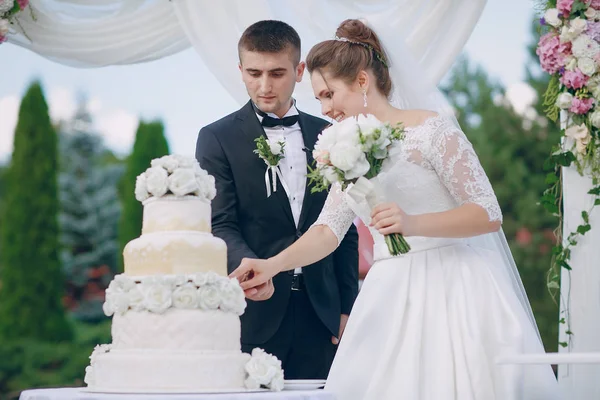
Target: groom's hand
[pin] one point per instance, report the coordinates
(261, 292)
(343, 321)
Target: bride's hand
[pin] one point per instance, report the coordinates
(388, 218)
(254, 272)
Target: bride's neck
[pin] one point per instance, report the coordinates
(383, 110)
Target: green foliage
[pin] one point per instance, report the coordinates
(150, 143)
(28, 363)
(31, 281)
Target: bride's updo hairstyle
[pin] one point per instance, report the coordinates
(355, 48)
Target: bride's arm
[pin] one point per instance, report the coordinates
(455, 162)
(453, 158)
(318, 242)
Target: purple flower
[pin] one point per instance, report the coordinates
(593, 30)
(542, 21)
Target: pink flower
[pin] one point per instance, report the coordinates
(552, 53)
(23, 4)
(2, 39)
(581, 106)
(574, 79)
(593, 30)
(564, 6)
(593, 3)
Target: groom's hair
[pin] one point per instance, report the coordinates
(270, 36)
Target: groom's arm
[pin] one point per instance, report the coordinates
(345, 260)
(212, 158)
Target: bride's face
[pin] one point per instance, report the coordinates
(338, 99)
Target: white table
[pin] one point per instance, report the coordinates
(79, 394)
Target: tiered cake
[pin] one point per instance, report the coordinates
(176, 325)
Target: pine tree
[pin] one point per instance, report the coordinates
(32, 282)
(90, 211)
(150, 143)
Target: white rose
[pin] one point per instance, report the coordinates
(169, 162)
(578, 25)
(261, 370)
(564, 100)
(594, 82)
(587, 66)
(115, 303)
(584, 46)
(6, 6)
(344, 155)
(4, 27)
(277, 382)
(567, 35)
(157, 181)
(595, 92)
(571, 63)
(183, 182)
(232, 296)
(200, 279)
(141, 190)
(251, 383)
(329, 174)
(590, 13)
(577, 132)
(595, 118)
(158, 298)
(185, 296)
(551, 17)
(89, 376)
(368, 124)
(275, 147)
(327, 138)
(360, 168)
(185, 162)
(122, 282)
(135, 298)
(209, 297)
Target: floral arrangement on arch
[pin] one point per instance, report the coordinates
(8, 9)
(570, 52)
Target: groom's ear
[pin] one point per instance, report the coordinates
(300, 68)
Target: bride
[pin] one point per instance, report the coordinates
(428, 324)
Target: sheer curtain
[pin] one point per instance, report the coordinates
(97, 33)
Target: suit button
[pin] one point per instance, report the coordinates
(298, 234)
(291, 272)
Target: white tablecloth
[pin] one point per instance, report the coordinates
(78, 394)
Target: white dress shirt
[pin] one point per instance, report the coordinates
(293, 165)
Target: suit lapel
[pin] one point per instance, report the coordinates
(310, 131)
(252, 129)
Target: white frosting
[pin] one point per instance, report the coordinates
(167, 371)
(175, 252)
(170, 213)
(176, 329)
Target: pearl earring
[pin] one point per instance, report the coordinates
(365, 96)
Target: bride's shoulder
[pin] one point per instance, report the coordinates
(416, 118)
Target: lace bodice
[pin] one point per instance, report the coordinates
(433, 169)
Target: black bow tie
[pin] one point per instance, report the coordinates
(270, 122)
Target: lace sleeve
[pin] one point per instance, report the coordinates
(453, 158)
(336, 213)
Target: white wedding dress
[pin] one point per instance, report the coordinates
(428, 325)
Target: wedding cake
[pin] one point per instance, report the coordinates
(176, 325)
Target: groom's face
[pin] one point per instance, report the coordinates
(270, 79)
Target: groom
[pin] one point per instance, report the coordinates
(304, 319)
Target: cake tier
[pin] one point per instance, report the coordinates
(176, 252)
(170, 213)
(167, 371)
(177, 329)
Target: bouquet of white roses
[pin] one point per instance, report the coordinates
(352, 152)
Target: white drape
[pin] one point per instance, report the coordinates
(97, 33)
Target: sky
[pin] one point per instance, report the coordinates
(180, 90)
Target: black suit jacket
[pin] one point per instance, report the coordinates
(256, 226)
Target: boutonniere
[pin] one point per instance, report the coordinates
(271, 152)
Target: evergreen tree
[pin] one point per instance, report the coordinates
(150, 143)
(32, 282)
(512, 149)
(90, 210)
